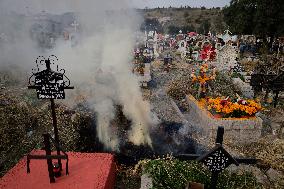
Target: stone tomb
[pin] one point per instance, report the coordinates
(86, 171)
(237, 130)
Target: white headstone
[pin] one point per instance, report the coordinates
(226, 58)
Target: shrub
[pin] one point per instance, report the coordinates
(174, 174)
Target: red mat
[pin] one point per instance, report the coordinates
(86, 171)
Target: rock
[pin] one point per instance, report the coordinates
(259, 175)
(276, 177)
(276, 128)
(5, 102)
(146, 182)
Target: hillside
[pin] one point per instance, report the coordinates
(172, 20)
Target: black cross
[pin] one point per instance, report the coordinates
(217, 159)
(50, 84)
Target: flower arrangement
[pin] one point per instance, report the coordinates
(208, 52)
(233, 107)
(201, 76)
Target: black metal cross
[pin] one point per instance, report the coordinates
(217, 159)
(50, 84)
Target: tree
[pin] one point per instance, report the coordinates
(173, 29)
(219, 24)
(204, 27)
(260, 17)
(152, 24)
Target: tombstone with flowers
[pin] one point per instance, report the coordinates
(209, 109)
(237, 116)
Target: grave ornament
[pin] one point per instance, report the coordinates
(49, 84)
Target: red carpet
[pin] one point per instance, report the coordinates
(86, 171)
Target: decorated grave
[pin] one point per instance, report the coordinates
(235, 114)
(141, 68)
(214, 101)
(242, 130)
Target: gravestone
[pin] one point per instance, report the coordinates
(226, 58)
(182, 46)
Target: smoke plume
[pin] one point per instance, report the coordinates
(98, 64)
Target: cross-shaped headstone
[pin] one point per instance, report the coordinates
(75, 24)
(50, 84)
(217, 159)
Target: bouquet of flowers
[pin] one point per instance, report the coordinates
(200, 77)
(208, 52)
(233, 107)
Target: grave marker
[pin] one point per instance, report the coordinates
(217, 159)
(50, 84)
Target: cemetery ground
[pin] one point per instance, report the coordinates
(206, 104)
(185, 95)
(25, 119)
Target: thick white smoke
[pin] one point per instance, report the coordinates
(99, 65)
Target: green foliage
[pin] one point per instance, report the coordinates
(237, 75)
(219, 23)
(30, 97)
(173, 29)
(204, 27)
(152, 24)
(260, 17)
(16, 121)
(223, 86)
(175, 174)
(186, 17)
(245, 180)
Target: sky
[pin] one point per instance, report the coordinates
(55, 6)
(178, 3)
